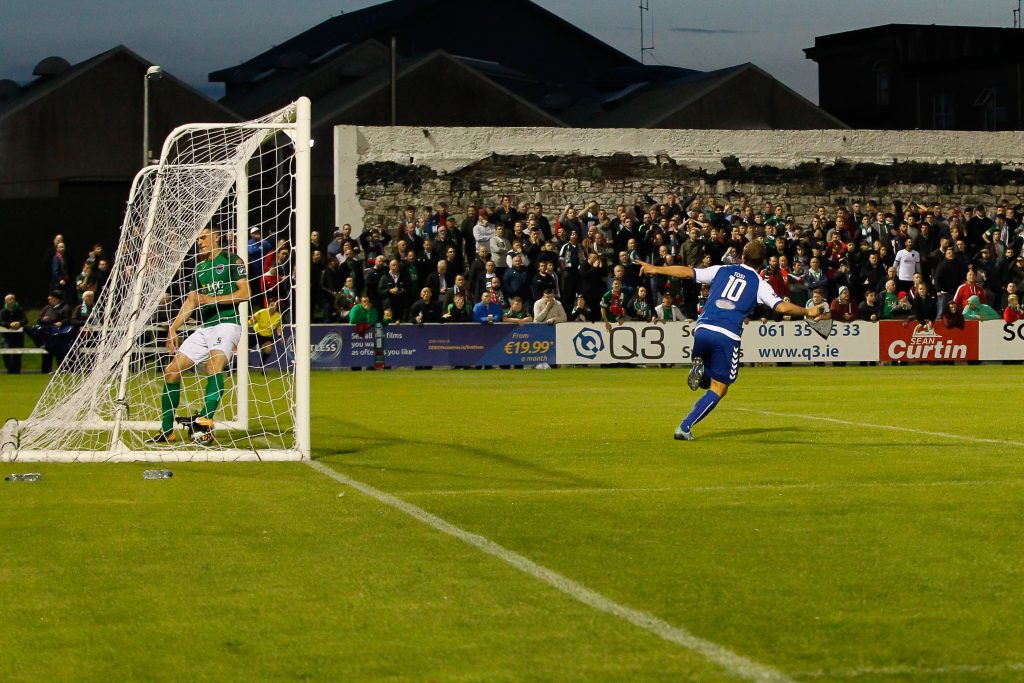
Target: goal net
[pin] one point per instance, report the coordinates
(247, 185)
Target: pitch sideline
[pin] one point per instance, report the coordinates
(732, 662)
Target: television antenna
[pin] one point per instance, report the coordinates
(645, 7)
(1016, 15)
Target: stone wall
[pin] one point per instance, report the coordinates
(381, 170)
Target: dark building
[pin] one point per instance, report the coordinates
(903, 76)
(494, 63)
(70, 144)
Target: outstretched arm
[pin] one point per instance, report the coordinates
(671, 271)
(813, 312)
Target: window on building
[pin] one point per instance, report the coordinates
(943, 111)
(882, 85)
(994, 112)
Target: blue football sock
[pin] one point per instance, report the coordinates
(704, 405)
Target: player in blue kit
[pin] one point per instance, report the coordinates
(735, 291)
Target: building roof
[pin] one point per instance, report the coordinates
(346, 98)
(924, 43)
(44, 85)
(387, 18)
(554, 69)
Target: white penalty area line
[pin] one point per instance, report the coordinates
(907, 670)
(527, 492)
(735, 664)
(726, 488)
(891, 428)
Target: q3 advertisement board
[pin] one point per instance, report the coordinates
(634, 343)
(768, 342)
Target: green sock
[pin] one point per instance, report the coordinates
(214, 388)
(169, 402)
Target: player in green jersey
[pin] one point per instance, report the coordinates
(219, 284)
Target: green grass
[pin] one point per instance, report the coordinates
(825, 550)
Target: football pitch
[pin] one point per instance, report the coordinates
(828, 524)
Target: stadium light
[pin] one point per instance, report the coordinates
(153, 73)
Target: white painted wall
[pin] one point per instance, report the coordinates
(449, 149)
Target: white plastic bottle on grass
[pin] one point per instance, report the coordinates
(28, 476)
(157, 474)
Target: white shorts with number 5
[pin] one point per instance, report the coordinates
(223, 337)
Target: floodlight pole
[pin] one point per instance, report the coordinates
(153, 73)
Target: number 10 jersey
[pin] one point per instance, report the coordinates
(735, 291)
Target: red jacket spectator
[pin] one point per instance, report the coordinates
(966, 291)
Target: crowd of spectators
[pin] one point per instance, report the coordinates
(514, 263)
(866, 261)
(68, 304)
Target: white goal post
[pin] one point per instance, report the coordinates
(249, 184)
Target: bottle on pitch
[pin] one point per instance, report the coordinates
(28, 476)
(157, 474)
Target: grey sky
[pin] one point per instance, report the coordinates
(190, 38)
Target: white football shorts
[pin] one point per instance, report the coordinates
(223, 337)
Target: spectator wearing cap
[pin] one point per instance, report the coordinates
(12, 331)
(259, 249)
(843, 308)
(581, 312)
(335, 246)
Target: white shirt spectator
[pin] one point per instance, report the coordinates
(907, 263)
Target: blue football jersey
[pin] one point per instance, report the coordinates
(735, 291)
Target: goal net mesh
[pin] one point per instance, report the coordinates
(104, 400)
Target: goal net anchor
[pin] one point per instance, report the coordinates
(105, 399)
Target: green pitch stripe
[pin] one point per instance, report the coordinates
(736, 664)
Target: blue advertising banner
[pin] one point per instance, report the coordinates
(340, 346)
